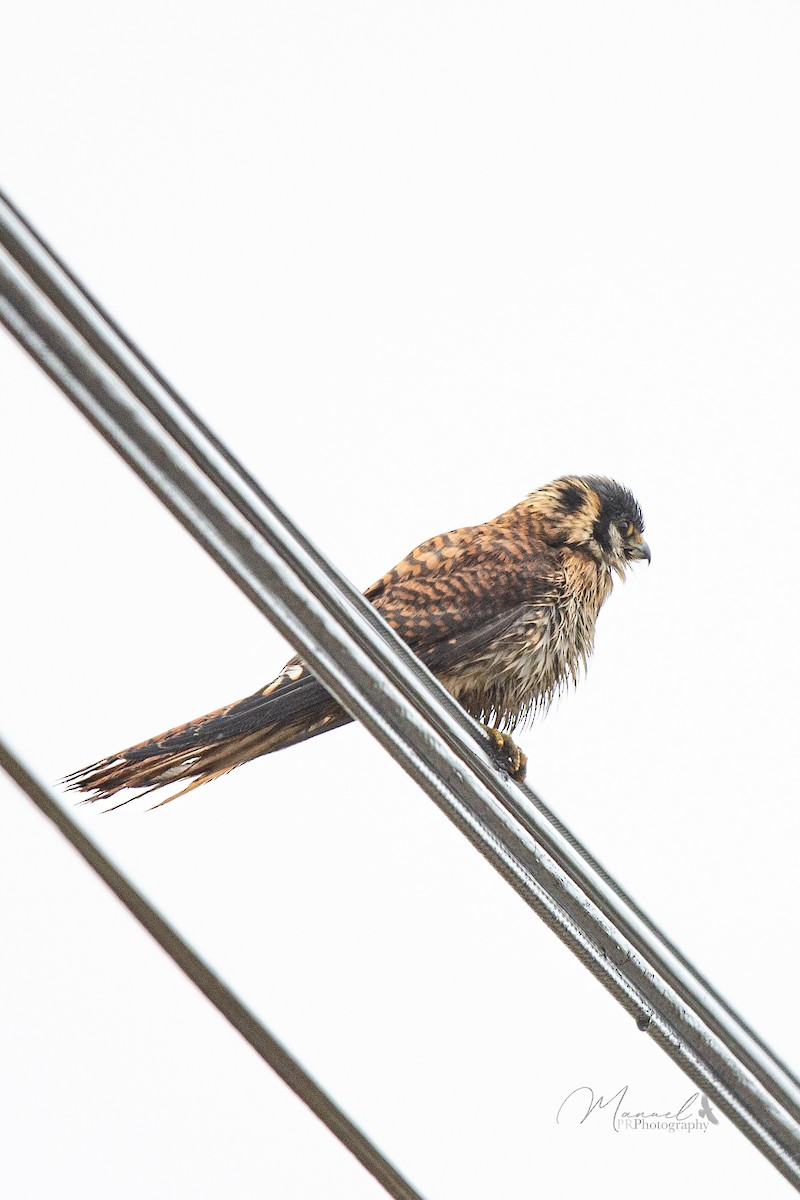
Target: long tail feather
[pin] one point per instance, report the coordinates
(292, 708)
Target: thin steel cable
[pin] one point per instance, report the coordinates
(101, 332)
(401, 705)
(213, 988)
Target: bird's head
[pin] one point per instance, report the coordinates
(595, 516)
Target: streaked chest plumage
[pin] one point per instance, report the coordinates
(540, 655)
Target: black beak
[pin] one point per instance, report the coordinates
(640, 551)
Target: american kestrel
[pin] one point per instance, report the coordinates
(503, 613)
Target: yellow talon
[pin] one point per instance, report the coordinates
(508, 754)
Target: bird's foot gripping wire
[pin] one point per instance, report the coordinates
(507, 754)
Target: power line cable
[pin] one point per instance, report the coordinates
(213, 988)
(116, 349)
(377, 679)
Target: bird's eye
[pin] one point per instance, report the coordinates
(625, 528)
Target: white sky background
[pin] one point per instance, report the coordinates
(410, 261)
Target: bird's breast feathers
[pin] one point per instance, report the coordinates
(540, 654)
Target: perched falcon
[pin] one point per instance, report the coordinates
(503, 613)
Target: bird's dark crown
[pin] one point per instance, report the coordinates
(618, 506)
(593, 514)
